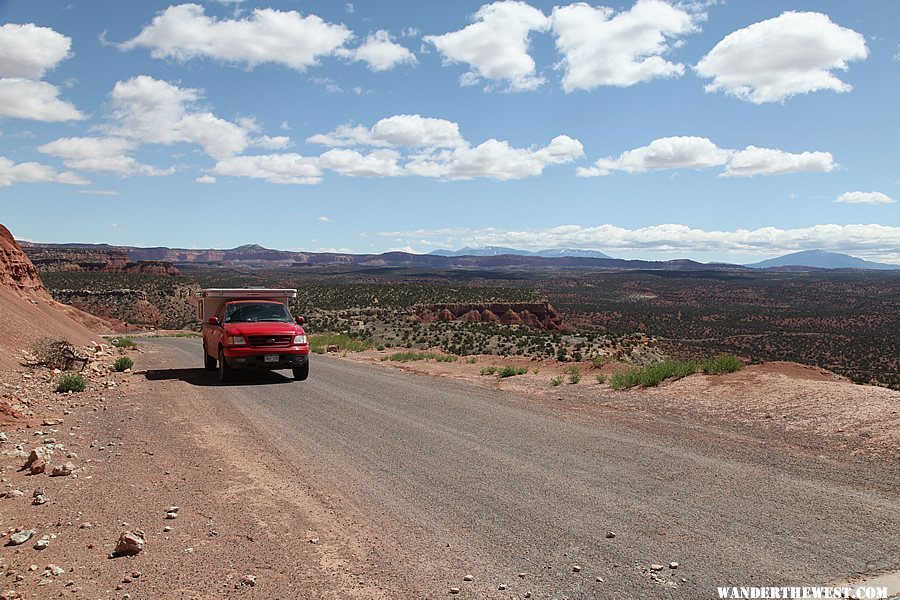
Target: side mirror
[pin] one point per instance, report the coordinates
(300, 320)
(213, 320)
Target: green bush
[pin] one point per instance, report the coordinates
(511, 371)
(411, 356)
(471, 360)
(601, 378)
(722, 364)
(318, 342)
(489, 370)
(573, 372)
(379, 347)
(599, 361)
(122, 342)
(652, 375)
(556, 381)
(122, 363)
(71, 383)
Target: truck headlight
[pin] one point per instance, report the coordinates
(299, 340)
(235, 340)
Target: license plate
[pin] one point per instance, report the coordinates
(271, 358)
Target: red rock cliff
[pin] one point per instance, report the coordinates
(16, 271)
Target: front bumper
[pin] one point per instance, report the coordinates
(255, 358)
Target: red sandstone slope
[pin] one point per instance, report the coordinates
(27, 313)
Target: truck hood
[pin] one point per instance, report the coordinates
(264, 328)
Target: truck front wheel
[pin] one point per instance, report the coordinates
(209, 363)
(301, 373)
(226, 374)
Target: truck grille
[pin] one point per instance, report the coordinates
(269, 340)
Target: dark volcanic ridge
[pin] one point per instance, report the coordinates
(159, 260)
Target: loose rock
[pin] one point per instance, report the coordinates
(576, 568)
(63, 470)
(130, 543)
(248, 580)
(20, 537)
(468, 578)
(655, 567)
(610, 534)
(41, 544)
(673, 565)
(454, 590)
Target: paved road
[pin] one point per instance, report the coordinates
(466, 479)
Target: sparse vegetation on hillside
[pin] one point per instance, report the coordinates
(72, 382)
(122, 363)
(721, 365)
(652, 375)
(319, 342)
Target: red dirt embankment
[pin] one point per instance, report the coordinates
(28, 311)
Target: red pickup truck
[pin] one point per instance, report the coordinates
(252, 329)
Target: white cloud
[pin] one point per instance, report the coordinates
(775, 59)
(324, 219)
(380, 163)
(380, 52)
(275, 168)
(32, 172)
(154, 111)
(38, 100)
(278, 142)
(768, 161)
(865, 198)
(600, 47)
(29, 51)
(207, 179)
(184, 32)
(495, 160)
(399, 130)
(495, 45)
(873, 241)
(100, 193)
(685, 152)
(688, 152)
(100, 155)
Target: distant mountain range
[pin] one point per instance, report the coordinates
(502, 251)
(820, 259)
(485, 258)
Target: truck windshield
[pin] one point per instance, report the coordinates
(253, 312)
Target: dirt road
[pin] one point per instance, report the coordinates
(421, 481)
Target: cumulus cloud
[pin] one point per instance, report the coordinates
(29, 51)
(184, 32)
(100, 155)
(380, 163)
(207, 179)
(768, 161)
(380, 52)
(399, 130)
(791, 54)
(684, 152)
(276, 168)
(495, 160)
(865, 198)
(600, 47)
(38, 100)
(873, 241)
(689, 152)
(32, 172)
(495, 45)
(154, 111)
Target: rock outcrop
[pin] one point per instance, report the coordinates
(17, 273)
(535, 314)
(50, 259)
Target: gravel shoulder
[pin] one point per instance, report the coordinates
(365, 482)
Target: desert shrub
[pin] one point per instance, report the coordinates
(379, 347)
(489, 370)
(56, 353)
(722, 364)
(556, 381)
(601, 378)
(71, 383)
(574, 373)
(511, 371)
(471, 360)
(599, 361)
(652, 375)
(122, 363)
(122, 342)
(411, 356)
(446, 358)
(318, 342)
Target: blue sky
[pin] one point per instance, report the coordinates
(716, 131)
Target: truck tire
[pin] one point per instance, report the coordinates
(226, 373)
(209, 363)
(301, 373)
